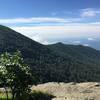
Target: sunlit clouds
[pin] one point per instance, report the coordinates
(45, 33)
(89, 12)
(83, 23)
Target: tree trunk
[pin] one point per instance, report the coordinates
(6, 92)
(13, 95)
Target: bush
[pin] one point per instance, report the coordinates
(37, 95)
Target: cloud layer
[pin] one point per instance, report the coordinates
(38, 20)
(53, 29)
(45, 33)
(89, 12)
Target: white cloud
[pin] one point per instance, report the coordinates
(95, 23)
(76, 42)
(89, 12)
(40, 39)
(46, 42)
(45, 33)
(86, 44)
(38, 20)
(37, 38)
(91, 39)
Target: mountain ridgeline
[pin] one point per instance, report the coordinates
(57, 62)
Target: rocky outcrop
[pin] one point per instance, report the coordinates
(71, 91)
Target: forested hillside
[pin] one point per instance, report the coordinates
(57, 62)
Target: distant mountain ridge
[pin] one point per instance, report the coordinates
(92, 42)
(57, 62)
(82, 52)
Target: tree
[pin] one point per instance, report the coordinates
(3, 79)
(15, 74)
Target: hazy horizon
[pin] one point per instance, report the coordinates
(51, 21)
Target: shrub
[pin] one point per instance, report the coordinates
(37, 95)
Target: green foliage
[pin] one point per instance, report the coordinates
(15, 74)
(37, 95)
(3, 96)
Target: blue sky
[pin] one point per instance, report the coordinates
(37, 8)
(50, 21)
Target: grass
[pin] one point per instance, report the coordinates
(35, 95)
(3, 96)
